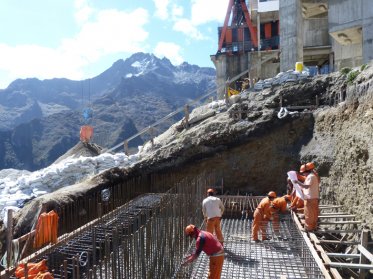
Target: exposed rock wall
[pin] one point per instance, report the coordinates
(342, 146)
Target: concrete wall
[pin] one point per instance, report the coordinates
(316, 32)
(344, 14)
(347, 55)
(367, 30)
(227, 67)
(291, 33)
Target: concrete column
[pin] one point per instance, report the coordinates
(220, 62)
(291, 33)
(367, 30)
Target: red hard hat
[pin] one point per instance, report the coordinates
(310, 166)
(210, 190)
(272, 194)
(189, 230)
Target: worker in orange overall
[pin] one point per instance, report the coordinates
(262, 215)
(213, 209)
(209, 244)
(311, 188)
(280, 206)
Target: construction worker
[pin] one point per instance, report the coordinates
(262, 215)
(209, 244)
(213, 209)
(280, 206)
(297, 203)
(311, 188)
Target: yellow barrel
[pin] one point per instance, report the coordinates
(299, 66)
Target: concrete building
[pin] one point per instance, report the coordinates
(326, 35)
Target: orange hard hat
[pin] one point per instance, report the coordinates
(302, 168)
(272, 194)
(210, 190)
(310, 166)
(189, 230)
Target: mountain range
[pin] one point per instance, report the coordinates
(41, 119)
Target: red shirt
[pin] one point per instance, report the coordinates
(207, 243)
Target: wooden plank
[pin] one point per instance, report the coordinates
(27, 235)
(318, 260)
(366, 253)
(336, 216)
(325, 257)
(363, 259)
(338, 231)
(325, 206)
(339, 222)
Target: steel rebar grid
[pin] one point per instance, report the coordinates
(142, 239)
(285, 254)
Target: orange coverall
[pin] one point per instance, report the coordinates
(280, 206)
(262, 214)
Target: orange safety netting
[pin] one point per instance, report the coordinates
(34, 270)
(46, 229)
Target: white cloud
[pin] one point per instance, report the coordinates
(204, 11)
(185, 26)
(82, 11)
(161, 7)
(169, 50)
(177, 11)
(104, 36)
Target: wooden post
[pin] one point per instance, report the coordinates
(363, 259)
(9, 238)
(281, 101)
(125, 144)
(226, 94)
(317, 101)
(186, 112)
(151, 132)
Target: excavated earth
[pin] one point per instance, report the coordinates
(248, 149)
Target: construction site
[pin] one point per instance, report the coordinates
(129, 222)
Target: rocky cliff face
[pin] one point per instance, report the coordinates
(342, 145)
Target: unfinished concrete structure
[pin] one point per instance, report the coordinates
(248, 42)
(324, 34)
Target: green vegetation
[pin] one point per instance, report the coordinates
(352, 76)
(363, 67)
(345, 71)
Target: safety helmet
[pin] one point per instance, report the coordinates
(272, 194)
(302, 168)
(310, 166)
(287, 198)
(189, 230)
(210, 191)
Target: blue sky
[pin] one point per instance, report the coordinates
(79, 39)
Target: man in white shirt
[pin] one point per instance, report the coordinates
(213, 209)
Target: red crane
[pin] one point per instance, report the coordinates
(240, 16)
